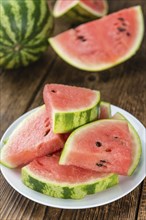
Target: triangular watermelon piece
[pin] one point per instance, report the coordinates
(104, 146)
(69, 107)
(45, 175)
(32, 138)
(102, 43)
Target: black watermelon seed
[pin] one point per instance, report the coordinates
(115, 137)
(53, 91)
(98, 144)
(103, 161)
(81, 38)
(47, 132)
(99, 164)
(121, 29)
(121, 19)
(108, 150)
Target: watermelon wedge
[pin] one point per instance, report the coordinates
(137, 149)
(32, 138)
(106, 145)
(104, 110)
(80, 10)
(69, 107)
(46, 176)
(103, 43)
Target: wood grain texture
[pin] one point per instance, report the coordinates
(124, 86)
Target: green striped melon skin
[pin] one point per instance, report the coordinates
(66, 190)
(78, 13)
(24, 30)
(67, 121)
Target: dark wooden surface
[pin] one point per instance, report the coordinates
(123, 86)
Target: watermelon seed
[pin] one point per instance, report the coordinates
(99, 164)
(121, 19)
(47, 132)
(53, 91)
(98, 144)
(103, 161)
(116, 137)
(108, 150)
(121, 29)
(81, 38)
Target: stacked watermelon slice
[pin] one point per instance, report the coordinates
(96, 146)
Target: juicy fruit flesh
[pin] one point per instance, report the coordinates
(105, 146)
(102, 42)
(66, 98)
(31, 139)
(98, 5)
(63, 5)
(49, 169)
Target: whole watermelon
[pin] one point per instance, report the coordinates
(24, 29)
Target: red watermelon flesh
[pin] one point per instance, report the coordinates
(32, 138)
(102, 43)
(48, 167)
(65, 98)
(103, 146)
(104, 110)
(96, 5)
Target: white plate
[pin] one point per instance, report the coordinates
(126, 185)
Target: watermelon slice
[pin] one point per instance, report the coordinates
(137, 149)
(102, 43)
(104, 110)
(32, 138)
(69, 107)
(105, 146)
(46, 176)
(80, 10)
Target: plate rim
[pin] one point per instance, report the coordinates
(4, 169)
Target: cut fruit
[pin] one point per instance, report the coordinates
(80, 10)
(104, 110)
(69, 107)
(103, 43)
(104, 146)
(32, 138)
(137, 148)
(46, 176)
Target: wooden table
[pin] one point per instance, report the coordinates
(123, 86)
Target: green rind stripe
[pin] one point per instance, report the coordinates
(7, 18)
(30, 18)
(14, 15)
(66, 190)
(24, 22)
(5, 37)
(67, 121)
(27, 57)
(7, 61)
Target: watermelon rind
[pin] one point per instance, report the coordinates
(24, 30)
(103, 66)
(66, 190)
(136, 143)
(79, 12)
(63, 122)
